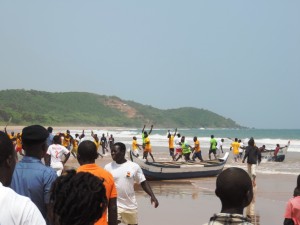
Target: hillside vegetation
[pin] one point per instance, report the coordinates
(87, 109)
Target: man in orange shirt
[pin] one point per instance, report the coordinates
(86, 156)
(197, 150)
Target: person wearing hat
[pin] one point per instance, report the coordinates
(31, 177)
(15, 209)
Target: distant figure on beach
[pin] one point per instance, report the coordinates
(178, 149)
(67, 140)
(253, 156)
(235, 149)
(111, 141)
(57, 155)
(171, 143)
(276, 151)
(135, 146)
(31, 177)
(87, 155)
(77, 198)
(213, 147)
(147, 148)
(11, 136)
(186, 149)
(220, 147)
(103, 142)
(125, 174)
(82, 136)
(18, 147)
(97, 143)
(292, 210)
(15, 208)
(234, 189)
(50, 137)
(197, 150)
(75, 143)
(144, 133)
(241, 149)
(262, 149)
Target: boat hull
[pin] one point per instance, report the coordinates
(176, 170)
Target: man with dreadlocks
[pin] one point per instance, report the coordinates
(77, 199)
(86, 156)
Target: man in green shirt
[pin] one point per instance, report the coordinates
(213, 147)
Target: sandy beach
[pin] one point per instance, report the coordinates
(193, 201)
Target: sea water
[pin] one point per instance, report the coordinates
(267, 137)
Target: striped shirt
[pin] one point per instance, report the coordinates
(228, 219)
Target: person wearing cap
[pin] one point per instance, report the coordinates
(15, 209)
(31, 177)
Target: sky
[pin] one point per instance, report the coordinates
(239, 59)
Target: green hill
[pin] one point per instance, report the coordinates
(87, 109)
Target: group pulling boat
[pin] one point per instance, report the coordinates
(172, 170)
(270, 156)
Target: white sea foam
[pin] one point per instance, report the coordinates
(159, 140)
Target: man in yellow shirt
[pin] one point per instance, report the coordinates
(147, 149)
(171, 143)
(75, 143)
(135, 147)
(67, 140)
(235, 146)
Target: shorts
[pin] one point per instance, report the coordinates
(252, 170)
(135, 152)
(58, 167)
(212, 151)
(128, 216)
(179, 150)
(19, 149)
(148, 150)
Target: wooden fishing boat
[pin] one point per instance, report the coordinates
(179, 170)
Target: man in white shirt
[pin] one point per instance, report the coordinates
(57, 155)
(14, 208)
(220, 147)
(178, 149)
(125, 174)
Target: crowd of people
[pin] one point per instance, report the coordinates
(89, 195)
(37, 192)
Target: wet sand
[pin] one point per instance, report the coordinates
(193, 201)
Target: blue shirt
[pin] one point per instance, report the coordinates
(49, 140)
(33, 179)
